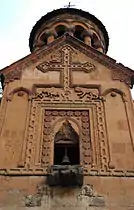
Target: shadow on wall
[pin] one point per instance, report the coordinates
(132, 92)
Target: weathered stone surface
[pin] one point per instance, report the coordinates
(67, 81)
(65, 175)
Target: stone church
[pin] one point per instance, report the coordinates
(67, 120)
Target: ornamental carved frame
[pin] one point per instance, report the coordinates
(38, 146)
(83, 99)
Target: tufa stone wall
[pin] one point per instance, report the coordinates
(97, 193)
(67, 81)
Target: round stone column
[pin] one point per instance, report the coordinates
(99, 46)
(87, 37)
(51, 35)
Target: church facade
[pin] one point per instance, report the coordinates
(67, 120)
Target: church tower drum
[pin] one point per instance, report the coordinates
(77, 23)
(67, 118)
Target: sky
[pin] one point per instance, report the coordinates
(17, 17)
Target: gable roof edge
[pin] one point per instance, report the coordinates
(89, 51)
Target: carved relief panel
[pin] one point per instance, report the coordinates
(84, 111)
(77, 118)
(81, 107)
(49, 106)
(64, 63)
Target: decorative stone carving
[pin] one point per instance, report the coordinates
(30, 147)
(122, 76)
(108, 62)
(90, 197)
(113, 94)
(65, 65)
(52, 97)
(36, 199)
(81, 117)
(50, 66)
(86, 94)
(118, 71)
(42, 171)
(66, 134)
(87, 190)
(82, 196)
(12, 75)
(47, 94)
(65, 175)
(32, 201)
(73, 94)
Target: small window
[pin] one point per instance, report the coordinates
(43, 38)
(78, 32)
(66, 145)
(60, 30)
(94, 40)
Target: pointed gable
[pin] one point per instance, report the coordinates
(81, 58)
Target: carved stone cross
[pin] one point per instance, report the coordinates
(69, 5)
(65, 66)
